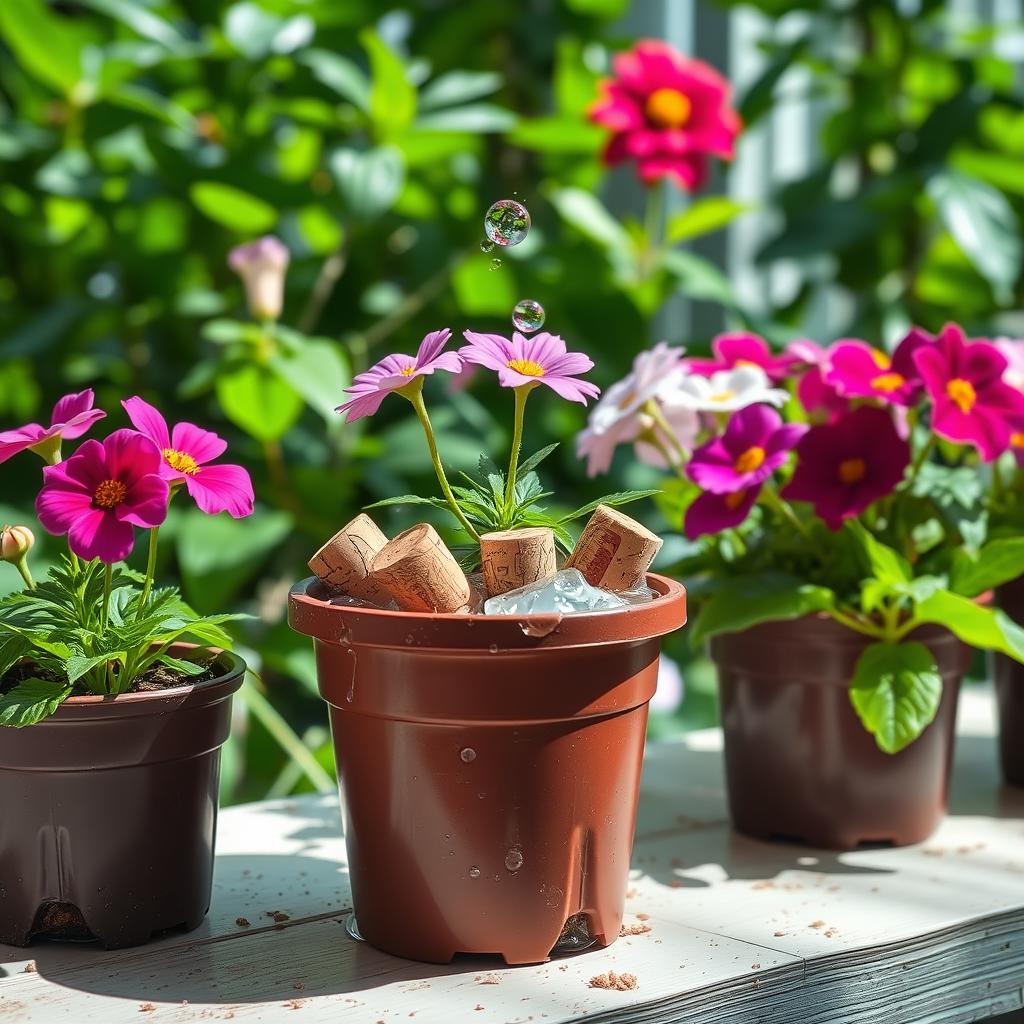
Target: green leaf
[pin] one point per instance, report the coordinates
(614, 500)
(233, 208)
(697, 277)
(30, 701)
(760, 97)
(140, 20)
(257, 399)
(392, 95)
(409, 499)
(531, 463)
(885, 565)
(984, 225)
(557, 135)
(317, 370)
(256, 33)
(993, 564)
(186, 668)
(369, 180)
(702, 217)
(339, 74)
(896, 691)
(985, 628)
(77, 666)
(585, 212)
(474, 117)
(42, 43)
(456, 87)
(745, 601)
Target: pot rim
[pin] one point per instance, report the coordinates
(381, 627)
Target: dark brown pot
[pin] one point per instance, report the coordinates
(1009, 676)
(109, 810)
(799, 763)
(490, 767)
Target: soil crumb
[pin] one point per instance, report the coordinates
(816, 924)
(146, 1008)
(242, 922)
(614, 982)
(279, 916)
(156, 677)
(29, 968)
(633, 929)
(487, 979)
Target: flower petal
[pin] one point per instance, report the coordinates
(145, 504)
(431, 346)
(202, 445)
(14, 441)
(70, 406)
(222, 488)
(98, 534)
(148, 420)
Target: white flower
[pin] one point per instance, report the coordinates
(261, 265)
(1013, 350)
(725, 391)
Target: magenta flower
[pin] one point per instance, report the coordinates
(539, 359)
(102, 492)
(732, 350)
(843, 467)
(185, 452)
(971, 402)
(397, 371)
(858, 370)
(712, 513)
(72, 416)
(755, 443)
(667, 113)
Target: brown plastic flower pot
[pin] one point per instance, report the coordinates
(800, 766)
(490, 767)
(109, 810)
(1009, 676)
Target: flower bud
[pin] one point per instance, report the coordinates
(261, 265)
(15, 543)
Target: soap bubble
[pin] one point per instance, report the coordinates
(495, 264)
(507, 222)
(528, 316)
(486, 245)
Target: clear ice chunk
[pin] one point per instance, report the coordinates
(639, 595)
(566, 591)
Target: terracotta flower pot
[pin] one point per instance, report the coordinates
(490, 767)
(1009, 676)
(799, 763)
(109, 810)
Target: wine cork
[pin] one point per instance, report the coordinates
(614, 551)
(344, 561)
(515, 558)
(420, 573)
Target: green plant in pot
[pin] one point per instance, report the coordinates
(506, 740)
(115, 695)
(832, 498)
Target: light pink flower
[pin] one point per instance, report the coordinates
(72, 416)
(262, 265)
(185, 452)
(733, 350)
(539, 359)
(397, 371)
(99, 495)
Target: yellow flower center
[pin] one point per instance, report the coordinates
(408, 371)
(748, 461)
(734, 500)
(962, 393)
(888, 382)
(724, 396)
(668, 108)
(180, 461)
(1017, 439)
(851, 471)
(527, 367)
(746, 362)
(109, 494)
(882, 361)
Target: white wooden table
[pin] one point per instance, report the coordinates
(739, 931)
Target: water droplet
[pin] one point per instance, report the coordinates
(528, 316)
(486, 245)
(493, 648)
(514, 859)
(351, 695)
(474, 872)
(507, 222)
(481, 796)
(409, 638)
(495, 264)
(467, 754)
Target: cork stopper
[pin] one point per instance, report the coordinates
(515, 558)
(344, 561)
(614, 551)
(420, 573)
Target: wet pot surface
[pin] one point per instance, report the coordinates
(109, 813)
(1009, 679)
(490, 769)
(799, 763)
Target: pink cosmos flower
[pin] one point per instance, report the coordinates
(185, 452)
(732, 350)
(756, 443)
(713, 513)
(102, 492)
(971, 402)
(843, 467)
(539, 359)
(858, 370)
(262, 265)
(667, 113)
(397, 371)
(72, 416)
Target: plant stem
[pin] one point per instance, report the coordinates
(922, 458)
(652, 438)
(271, 720)
(657, 414)
(522, 394)
(22, 566)
(415, 397)
(330, 273)
(108, 581)
(150, 569)
(783, 507)
(653, 224)
(851, 622)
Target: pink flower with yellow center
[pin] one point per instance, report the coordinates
(732, 350)
(186, 452)
(666, 112)
(971, 403)
(713, 513)
(72, 416)
(858, 370)
(540, 359)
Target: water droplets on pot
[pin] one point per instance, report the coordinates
(467, 754)
(514, 859)
(528, 316)
(507, 222)
(474, 872)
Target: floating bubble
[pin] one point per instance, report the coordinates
(507, 222)
(495, 264)
(474, 872)
(514, 859)
(486, 245)
(528, 316)
(467, 754)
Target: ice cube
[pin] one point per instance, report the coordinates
(638, 595)
(566, 591)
